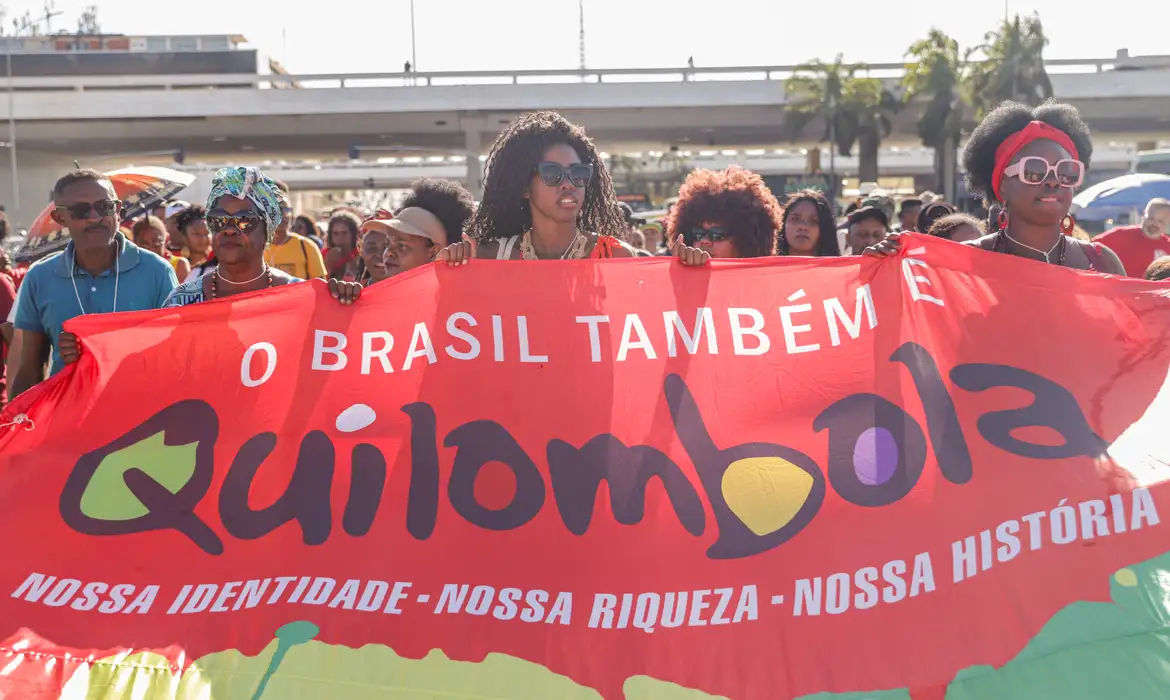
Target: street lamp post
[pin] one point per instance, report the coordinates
(12, 126)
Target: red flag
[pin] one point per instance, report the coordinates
(768, 478)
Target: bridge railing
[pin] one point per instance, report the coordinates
(520, 77)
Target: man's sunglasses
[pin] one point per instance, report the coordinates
(553, 174)
(709, 233)
(1034, 170)
(245, 223)
(81, 210)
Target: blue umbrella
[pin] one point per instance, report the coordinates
(1125, 192)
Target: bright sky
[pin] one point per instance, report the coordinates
(370, 36)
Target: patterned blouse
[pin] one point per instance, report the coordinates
(191, 292)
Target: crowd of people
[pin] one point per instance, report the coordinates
(546, 196)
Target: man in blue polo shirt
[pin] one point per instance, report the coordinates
(98, 272)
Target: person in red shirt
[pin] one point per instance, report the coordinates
(1138, 246)
(7, 301)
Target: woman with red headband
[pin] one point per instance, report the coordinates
(1030, 161)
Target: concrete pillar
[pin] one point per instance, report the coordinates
(37, 173)
(473, 146)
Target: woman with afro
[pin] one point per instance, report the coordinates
(546, 196)
(432, 216)
(1030, 161)
(726, 213)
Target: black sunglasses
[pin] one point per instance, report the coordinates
(553, 174)
(710, 233)
(244, 223)
(81, 210)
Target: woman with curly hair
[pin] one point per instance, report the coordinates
(931, 213)
(341, 255)
(1030, 161)
(546, 196)
(305, 226)
(432, 216)
(959, 228)
(726, 213)
(808, 227)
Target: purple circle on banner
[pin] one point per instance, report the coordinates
(875, 456)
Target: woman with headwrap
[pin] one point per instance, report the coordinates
(244, 209)
(1030, 161)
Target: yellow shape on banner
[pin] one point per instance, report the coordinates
(765, 493)
(1126, 577)
(108, 498)
(145, 675)
(317, 671)
(647, 688)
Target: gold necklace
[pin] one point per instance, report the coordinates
(574, 251)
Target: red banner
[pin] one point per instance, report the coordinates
(939, 473)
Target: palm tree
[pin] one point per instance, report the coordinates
(872, 106)
(935, 73)
(674, 168)
(628, 165)
(854, 109)
(1011, 66)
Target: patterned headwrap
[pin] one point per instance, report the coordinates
(247, 182)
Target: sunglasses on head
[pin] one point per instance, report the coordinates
(244, 223)
(81, 210)
(1034, 170)
(708, 233)
(553, 174)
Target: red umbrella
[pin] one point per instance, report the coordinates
(139, 189)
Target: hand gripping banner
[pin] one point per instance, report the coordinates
(938, 475)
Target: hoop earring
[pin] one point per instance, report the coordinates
(1067, 224)
(1003, 219)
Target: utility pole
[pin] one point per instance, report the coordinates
(832, 149)
(50, 13)
(581, 35)
(413, 46)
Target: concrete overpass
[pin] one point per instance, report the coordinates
(104, 121)
(394, 173)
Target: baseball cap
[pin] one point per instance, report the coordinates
(870, 213)
(627, 213)
(414, 221)
(175, 207)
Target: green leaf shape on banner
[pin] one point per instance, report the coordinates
(287, 637)
(1089, 651)
(108, 498)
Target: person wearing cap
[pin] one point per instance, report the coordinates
(908, 212)
(244, 210)
(414, 237)
(931, 213)
(867, 226)
(881, 200)
(444, 208)
(177, 242)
